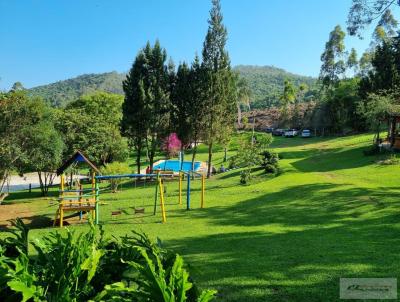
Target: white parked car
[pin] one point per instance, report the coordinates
(306, 133)
(290, 133)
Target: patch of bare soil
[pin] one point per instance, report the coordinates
(9, 212)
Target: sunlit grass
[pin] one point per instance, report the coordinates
(332, 213)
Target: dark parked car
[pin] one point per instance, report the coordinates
(278, 132)
(269, 130)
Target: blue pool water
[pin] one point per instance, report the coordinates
(175, 165)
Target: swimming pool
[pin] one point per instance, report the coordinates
(175, 165)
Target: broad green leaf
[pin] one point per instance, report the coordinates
(207, 295)
(21, 287)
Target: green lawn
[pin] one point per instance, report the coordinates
(332, 213)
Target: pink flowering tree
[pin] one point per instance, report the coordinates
(172, 145)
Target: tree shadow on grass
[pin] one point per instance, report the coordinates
(286, 142)
(301, 246)
(22, 196)
(292, 266)
(334, 159)
(299, 153)
(312, 204)
(33, 222)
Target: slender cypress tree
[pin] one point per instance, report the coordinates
(157, 104)
(147, 105)
(180, 101)
(218, 82)
(197, 106)
(133, 123)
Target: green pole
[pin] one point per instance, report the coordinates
(97, 203)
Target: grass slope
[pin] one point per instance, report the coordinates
(332, 213)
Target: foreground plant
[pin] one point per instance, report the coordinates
(86, 267)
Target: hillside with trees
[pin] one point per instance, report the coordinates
(265, 82)
(61, 93)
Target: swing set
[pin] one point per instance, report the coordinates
(87, 200)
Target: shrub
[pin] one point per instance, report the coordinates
(270, 157)
(270, 162)
(250, 153)
(232, 162)
(245, 176)
(271, 169)
(87, 267)
(115, 168)
(391, 160)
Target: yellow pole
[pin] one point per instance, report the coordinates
(61, 215)
(203, 188)
(62, 185)
(164, 218)
(180, 187)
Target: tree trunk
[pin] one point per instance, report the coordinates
(194, 154)
(41, 183)
(239, 117)
(209, 159)
(3, 180)
(254, 123)
(225, 154)
(151, 153)
(138, 154)
(393, 132)
(151, 161)
(378, 132)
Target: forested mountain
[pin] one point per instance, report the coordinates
(265, 82)
(60, 93)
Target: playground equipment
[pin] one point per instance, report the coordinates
(87, 200)
(189, 175)
(79, 200)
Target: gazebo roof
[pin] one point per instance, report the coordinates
(77, 157)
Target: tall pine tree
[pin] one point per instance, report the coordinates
(180, 100)
(133, 122)
(147, 104)
(219, 84)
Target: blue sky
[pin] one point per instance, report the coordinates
(42, 41)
